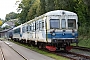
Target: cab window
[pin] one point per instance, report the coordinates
(63, 24)
(54, 24)
(71, 23)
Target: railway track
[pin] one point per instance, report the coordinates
(81, 53)
(81, 48)
(72, 55)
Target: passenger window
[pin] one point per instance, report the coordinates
(33, 26)
(23, 29)
(37, 25)
(63, 23)
(42, 24)
(30, 27)
(26, 28)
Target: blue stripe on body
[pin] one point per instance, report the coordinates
(60, 35)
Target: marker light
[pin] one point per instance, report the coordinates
(73, 32)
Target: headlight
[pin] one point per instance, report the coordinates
(73, 34)
(53, 34)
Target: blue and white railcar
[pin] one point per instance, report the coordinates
(62, 28)
(53, 30)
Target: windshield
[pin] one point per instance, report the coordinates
(71, 23)
(54, 23)
(63, 23)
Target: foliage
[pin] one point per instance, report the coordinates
(33, 8)
(25, 5)
(84, 41)
(41, 7)
(11, 15)
(1, 22)
(6, 27)
(50, 5)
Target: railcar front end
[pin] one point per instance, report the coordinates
(62, 30)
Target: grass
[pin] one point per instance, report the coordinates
(84, 42)
(56, 57)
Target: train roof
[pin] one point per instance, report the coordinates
(17, 27)
(55, 12)
(60, 12)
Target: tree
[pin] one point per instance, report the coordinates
(33, 10)
(81, 10)
(42, 7)
(60, 4)
(11, 15)
(1, 22)
(25, 5)
(50, 5)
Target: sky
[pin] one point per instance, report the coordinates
(7, 6)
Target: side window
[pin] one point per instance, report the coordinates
(23, 29)
(36, 25)
(33, 26)
(42, 24)
(63, 23)
(30, 27)
(26, 28)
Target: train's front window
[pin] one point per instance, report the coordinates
(63, 23)
(71, 23)
(54, 23)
